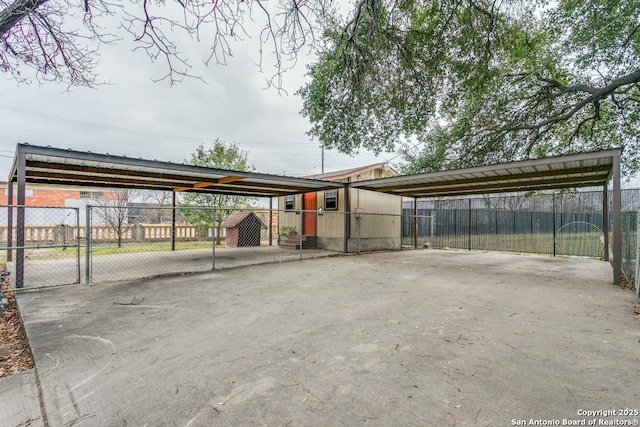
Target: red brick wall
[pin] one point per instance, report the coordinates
(54, 197)
(41, 196)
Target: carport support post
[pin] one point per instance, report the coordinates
(637, 272)
(617, 230)
(22, 178)
(270, 220)
(173, 221)
(553, 201)
(213, 239)
(87, 246)
(469, 226)
(415, 223)
(347, 218)
(605, 221)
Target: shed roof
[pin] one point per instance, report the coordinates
(55, 166)
(569, 171)
(238, 217)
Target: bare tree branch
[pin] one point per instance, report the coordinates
(15, 12)
(44, 41)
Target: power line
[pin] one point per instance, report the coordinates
(100, 126)
(146, 134)
(138, 132)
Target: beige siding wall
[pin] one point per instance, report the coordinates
(378, 214)
(331, 222)
(289, 218)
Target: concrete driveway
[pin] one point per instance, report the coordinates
(424, 338)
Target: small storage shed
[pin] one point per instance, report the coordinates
(242, 229)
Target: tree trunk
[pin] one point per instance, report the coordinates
(119, 233)
(17, 10)
(217, 231)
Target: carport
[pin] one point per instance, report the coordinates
(592, 169)
(54, 166)
(47, 165)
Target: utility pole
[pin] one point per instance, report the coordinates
(322, 146)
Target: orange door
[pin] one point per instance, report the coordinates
(309, 204)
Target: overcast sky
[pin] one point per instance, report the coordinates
(136, 117)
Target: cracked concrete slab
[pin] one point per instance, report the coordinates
(425, 337)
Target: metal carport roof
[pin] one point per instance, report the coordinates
(55, 166)
(46, 165)
(570, 171)
(588, 169)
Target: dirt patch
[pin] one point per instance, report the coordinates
(14, 351)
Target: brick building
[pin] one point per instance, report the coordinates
(52, 196)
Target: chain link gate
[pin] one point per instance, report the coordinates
(132, 242)
(51, 252)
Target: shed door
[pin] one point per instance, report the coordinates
(309, 204)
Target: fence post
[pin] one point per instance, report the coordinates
(301, 229)
(531, 223)
(433, 227)
(87, 249)
(173, 221)
(358, 219)
(10, 220)
(469, 225)
(347, 218)
(77, 239)
(271, 221)
(345, 238)
(553, 201)
(415, 223)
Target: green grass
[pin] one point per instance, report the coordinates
(586, 244)
(109, 249)
(577, 244)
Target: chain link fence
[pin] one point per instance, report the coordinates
(132, 242)
(562, 223)
(129, 243)
(629, 224)
(51, 248)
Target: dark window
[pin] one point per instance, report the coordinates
(331, 199)
(288, 203)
